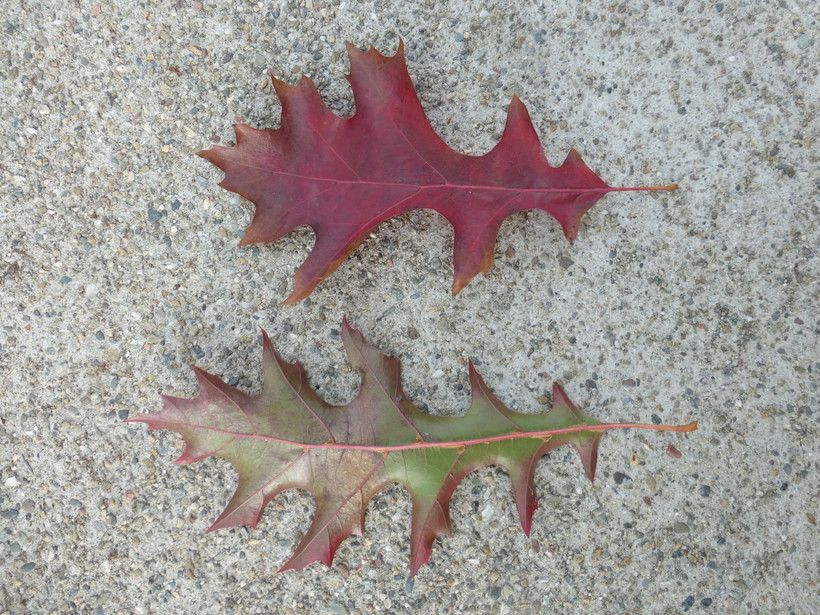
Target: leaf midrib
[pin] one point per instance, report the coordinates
(545, 434)
(449, 186)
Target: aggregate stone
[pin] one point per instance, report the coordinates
(804, 41)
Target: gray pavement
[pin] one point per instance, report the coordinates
(119, 267)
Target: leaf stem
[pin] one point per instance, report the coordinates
(651, 188)
(532, 434)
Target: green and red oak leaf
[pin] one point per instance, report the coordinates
(287, 437)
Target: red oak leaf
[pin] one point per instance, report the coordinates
(287, 437)
(344, 176)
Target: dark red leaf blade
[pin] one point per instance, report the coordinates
(287, 437)
(345, 176)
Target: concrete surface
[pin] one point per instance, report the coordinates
(120, 268)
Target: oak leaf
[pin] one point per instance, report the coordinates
(345, 176)
(287, 437)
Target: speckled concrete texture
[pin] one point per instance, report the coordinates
(119, 268)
